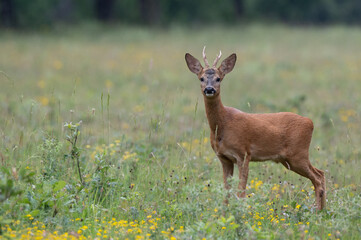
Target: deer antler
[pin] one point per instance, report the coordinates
(205, 57)
(217, 59)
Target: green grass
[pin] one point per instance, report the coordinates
(147, 167)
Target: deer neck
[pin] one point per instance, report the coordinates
(215, 112)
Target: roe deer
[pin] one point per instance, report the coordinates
(238, 137)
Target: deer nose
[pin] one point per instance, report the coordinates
(209, 90)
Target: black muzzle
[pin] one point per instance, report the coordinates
(209, 91)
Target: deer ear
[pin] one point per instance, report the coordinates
(193, 64)
(228, 64)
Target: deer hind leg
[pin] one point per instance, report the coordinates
(323, 188)
(302, 166)
(243, 169)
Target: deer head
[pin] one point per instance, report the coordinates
(210, 77)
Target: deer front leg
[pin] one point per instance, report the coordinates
(243, 168)
(228, 168)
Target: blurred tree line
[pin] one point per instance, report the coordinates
(40, 13)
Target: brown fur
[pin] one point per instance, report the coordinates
(238, 137)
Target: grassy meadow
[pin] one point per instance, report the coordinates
(104, 135)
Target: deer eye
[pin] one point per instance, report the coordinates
(218, 80)
(202, 79)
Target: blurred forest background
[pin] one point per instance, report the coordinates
(40, 14)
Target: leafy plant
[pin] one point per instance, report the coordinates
(72, 137)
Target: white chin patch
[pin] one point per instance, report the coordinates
(209, 94)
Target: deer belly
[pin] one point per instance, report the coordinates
(275, 158)
(266, 153)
